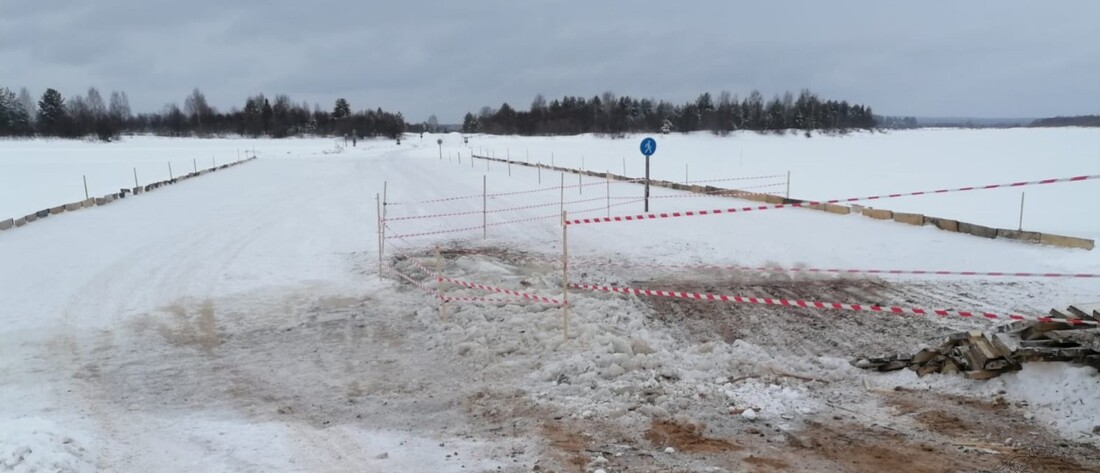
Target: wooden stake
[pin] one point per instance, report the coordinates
(484, 207)
(378, 221)
(562, 209)
(86, 188)
(440, 286)
(608, 178)
(170, 176)
(135, 178)
(564, 275)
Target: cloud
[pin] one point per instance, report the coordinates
(975, 58)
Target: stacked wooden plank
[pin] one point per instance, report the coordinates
(985, 355)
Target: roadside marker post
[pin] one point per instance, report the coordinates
(649, 146)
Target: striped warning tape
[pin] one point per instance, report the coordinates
(502, 194)
(750, 178)
(510, 209)
(483, 287)
(694, 213)
(918, 272)
(823, 305)
(489, 300)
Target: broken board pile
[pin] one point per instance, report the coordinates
(985, 355)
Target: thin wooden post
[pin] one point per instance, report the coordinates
(564, 275)
(551, 159)
(195, 163)
(213, 162)
(135, 179)
(378, 221)
(686, 180)
(562, 209)
(509, 168)
(170, 176)
(624, 167)
(440, 286)
(382, 223)
(788, 194)
(608, 178)
(85, 187)
(1021, 226)
(484, 206)
(580, 184)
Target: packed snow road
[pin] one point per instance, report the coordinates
(236, 322)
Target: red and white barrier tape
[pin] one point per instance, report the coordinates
(502, 194)
(436, 294)
(856, 271)
(750, 178)
(523, 295)
(437, 232)
(472, 285)
(823, 305)
(479, 212)
(694, 213)
(487, 300)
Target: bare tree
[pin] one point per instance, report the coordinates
(27, 100)
(96, 107)
(119, 109)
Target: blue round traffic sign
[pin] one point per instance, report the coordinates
(649, 146)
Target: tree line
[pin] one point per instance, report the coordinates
(1079, 120)
(79, 116)
(616, 116)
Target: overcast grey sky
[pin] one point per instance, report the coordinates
(1003, 58)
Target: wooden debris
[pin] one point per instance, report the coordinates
(979, 356)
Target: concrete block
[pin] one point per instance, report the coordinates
(977, 230)
(136, 190)
(1066, 241)
(6, 224)
(878, 214)
(942, 223)
(1028, 237)
(838, 209)
(74, 206)
(57, 210)
(100, 201)
(911, 219)
(30, 218)
(43, 213)
(89, 202)
(19, 222)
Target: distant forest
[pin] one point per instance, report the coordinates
(1080, 120)
(610, 115)
(79, 116)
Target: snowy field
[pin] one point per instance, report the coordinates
(238, 322)
(863, 164)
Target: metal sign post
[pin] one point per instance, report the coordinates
(649, 146)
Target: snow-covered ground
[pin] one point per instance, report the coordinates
(865, 164)
(236, 322)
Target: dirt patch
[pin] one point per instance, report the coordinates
(767, 464)
(859, 449)
(685, 438)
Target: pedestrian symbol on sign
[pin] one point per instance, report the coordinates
(649, 146)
